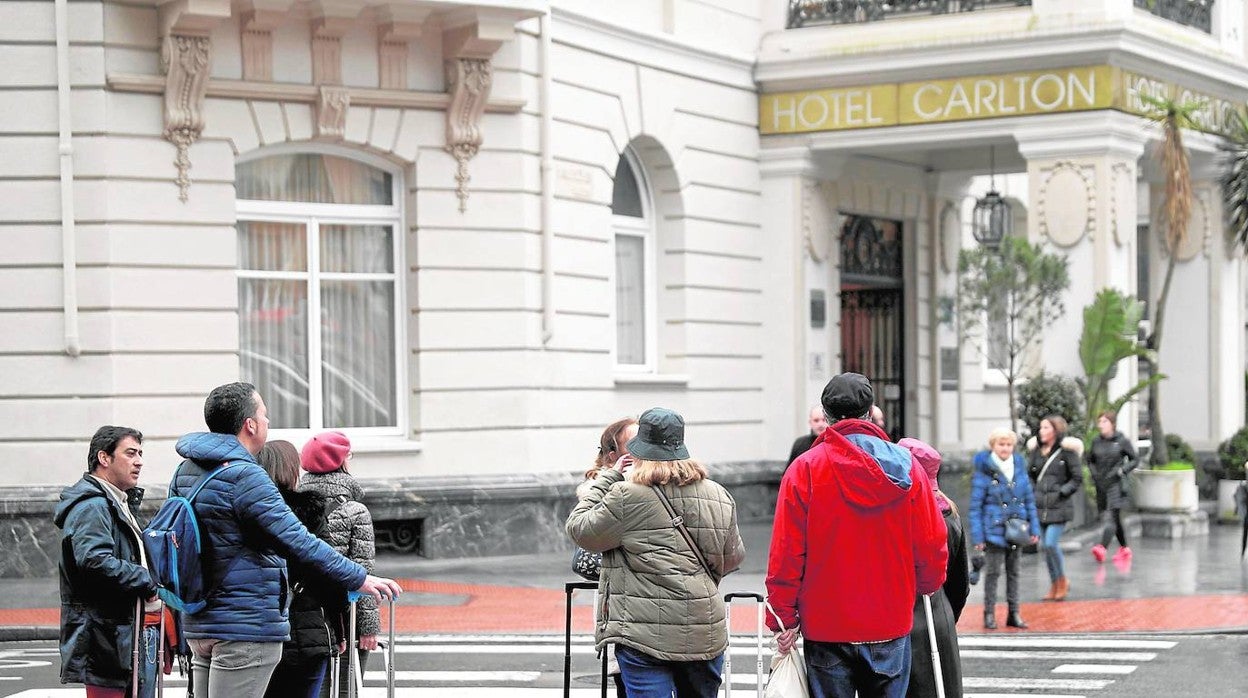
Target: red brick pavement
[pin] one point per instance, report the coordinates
(482, 608)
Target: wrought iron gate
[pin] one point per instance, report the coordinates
(872, 312)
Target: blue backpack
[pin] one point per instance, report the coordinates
(173, 545)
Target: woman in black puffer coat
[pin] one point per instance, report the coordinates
(1111, 461)
(947, 602)
(316, 609)
(1055, 466)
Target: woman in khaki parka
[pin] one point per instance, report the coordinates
(658, 605)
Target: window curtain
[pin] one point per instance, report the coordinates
(313, 178)
(630, 299)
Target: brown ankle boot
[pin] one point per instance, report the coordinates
(1063, 588)
(1052, 591)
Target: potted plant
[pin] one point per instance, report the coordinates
(1166, 488)
(1232, 454)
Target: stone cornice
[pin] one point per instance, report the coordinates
(290, 92)
(812, 65)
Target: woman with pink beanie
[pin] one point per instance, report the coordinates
(349, 528)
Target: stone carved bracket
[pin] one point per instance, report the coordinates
(332, 104)
(1071, 186)
(469, 80)
(185, 61)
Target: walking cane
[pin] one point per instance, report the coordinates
(353, 657)
(335, 661)
(390, 662)
(931, 638)
(134, 654)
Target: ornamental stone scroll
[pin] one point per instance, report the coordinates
(469, 80)
(1066, 206)
(185, 60)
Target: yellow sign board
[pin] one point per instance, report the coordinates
(1060, 90)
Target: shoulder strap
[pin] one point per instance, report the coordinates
(203, 480)
(678, 523)
(1047, 463)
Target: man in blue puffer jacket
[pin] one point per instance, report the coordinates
(250, 532)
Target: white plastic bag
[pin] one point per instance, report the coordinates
(788, 671)
(788, 676)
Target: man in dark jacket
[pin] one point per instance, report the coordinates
(818, 422)
(857, 534)
(103, 571)
(250, 533)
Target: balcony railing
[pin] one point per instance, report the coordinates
(803, 13)
(1197, 14)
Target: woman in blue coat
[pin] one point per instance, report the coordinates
(1001, 490)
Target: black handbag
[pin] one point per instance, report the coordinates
(586, 565)
(1017, 532)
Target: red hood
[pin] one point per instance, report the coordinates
(872, 472)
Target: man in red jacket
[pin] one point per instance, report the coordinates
(856, 533)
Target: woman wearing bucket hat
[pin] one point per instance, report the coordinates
(659, 599)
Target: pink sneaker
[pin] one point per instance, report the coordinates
(1123, 555)
(1098, 552)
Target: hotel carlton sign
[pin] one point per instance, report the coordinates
(979, 97)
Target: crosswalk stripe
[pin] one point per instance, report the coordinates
(1035, 684)
(456, 676)
(1015, 695)
(1065, 643)
(1051, 654)
(530, 649)
(1094, 669)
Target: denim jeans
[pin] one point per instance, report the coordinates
(297, 679)
(648, 677)
(233, 668)
(1051, 542)
(839, 669)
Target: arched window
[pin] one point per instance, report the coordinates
(318, 291)
(633, 226)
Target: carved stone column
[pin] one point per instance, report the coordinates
(469, 82)
(397, 25)
(186, 61)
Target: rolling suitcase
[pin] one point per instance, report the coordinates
(354, 673)
(568, 589)
(758, 665)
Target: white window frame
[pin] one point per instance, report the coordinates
(644, 229)
(312, 216)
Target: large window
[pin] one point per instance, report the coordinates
(318, 291)
(634, 268)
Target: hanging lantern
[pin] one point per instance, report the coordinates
(993, 220)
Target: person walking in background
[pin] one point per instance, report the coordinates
(316, 608)
(1111, 460)
(802, 444)
(1056, 469)
(947, 602)
(249, 534)
(103, 571)
(658, 593)
(857, 535)
(1001, 491)
(612, 447)
(349, 528)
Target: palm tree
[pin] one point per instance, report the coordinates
(1173, 117)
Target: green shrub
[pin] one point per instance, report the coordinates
(1049, 393)
(1175, 465)
(1232, 453)
(1179, 449)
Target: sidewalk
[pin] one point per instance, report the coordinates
(1197, 584)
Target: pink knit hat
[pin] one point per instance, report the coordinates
(927, 457)
(325, 452)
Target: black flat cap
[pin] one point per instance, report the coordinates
(847, 395)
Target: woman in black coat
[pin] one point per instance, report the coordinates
(1056, 468)
(316, 609)
(1111, 460)
(947, 602)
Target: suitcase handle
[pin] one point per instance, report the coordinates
(742, 595)
(569, 587)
